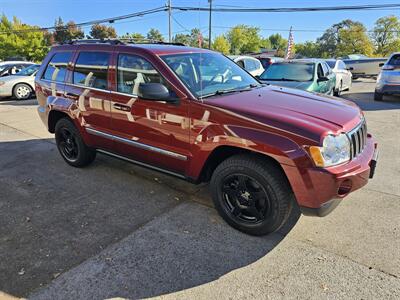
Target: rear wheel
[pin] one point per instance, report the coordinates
(71, 146)
(22, 91)
(378, 96)
(251, 194)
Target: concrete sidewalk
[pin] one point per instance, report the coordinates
(118, 230)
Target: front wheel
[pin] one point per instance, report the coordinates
(251, 194)
(22, 91)
(71, 146)
(378, 96)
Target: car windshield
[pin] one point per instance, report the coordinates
(331, 63)
(2, 67)
(207, 74)
(28, 71)
(289, 72)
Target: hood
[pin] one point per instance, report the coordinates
(301, 85)
(303, 113)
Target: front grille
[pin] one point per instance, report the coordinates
(358, 139)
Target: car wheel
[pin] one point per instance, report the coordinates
(338, 92)
(71, 146)
(22, 91)
(251, 194)
(378, 96)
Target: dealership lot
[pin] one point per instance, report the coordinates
(118, 230)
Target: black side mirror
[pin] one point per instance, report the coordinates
(156, 92)
(324, 78)
(350, 69)
(381, 64)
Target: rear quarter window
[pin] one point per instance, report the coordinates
(57, 67)
(91, 69)
(395, 60)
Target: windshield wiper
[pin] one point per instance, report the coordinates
(282, 79)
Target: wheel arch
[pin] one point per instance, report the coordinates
(54, 117)
(28, 84)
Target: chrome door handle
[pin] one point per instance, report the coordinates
(121, 107)
(71, 96)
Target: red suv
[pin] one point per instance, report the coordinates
(195, 114)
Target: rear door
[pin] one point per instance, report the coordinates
(89, 87)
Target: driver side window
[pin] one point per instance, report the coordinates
(132, 71)
(320, 71)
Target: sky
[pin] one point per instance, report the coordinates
(311, 24)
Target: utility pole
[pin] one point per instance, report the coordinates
(169, 22)
(209, 26)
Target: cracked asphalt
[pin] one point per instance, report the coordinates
(119, 230)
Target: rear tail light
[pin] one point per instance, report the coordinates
(388, 67)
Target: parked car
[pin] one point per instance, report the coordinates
(363, 66)
(8, 68)
(264, 149)
(343, 75)
(388, 81)
(265, 59)
(311, 75)
(20, 85)
(250, 64)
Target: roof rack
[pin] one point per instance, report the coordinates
(120, 41)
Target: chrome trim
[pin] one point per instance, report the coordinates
(136, 144)
(358, 138)
(140, 163)
(88, 87)
(124, 94)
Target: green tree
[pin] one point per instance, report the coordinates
(221, 44)
(191, 39)
(67, 32)
(99, 31)
(308, 49)
(181, 38)
(135, 36)
(155, 35)
(244, 39)
(17, 39)
(386, 35)
(278, 43)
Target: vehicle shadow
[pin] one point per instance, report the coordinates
(110, 229)
(11, 101)
(366, 101)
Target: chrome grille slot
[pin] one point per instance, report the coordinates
(358, 138)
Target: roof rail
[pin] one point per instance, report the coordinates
(119, 41)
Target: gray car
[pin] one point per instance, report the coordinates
(388, 81)
(21, 85)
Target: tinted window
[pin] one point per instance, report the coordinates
(57, 67)
(331, 63)
(395, 60)
(326, 69)
(91, 69)
(289, 72)
(250, 65)
(134, 70)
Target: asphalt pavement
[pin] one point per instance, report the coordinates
(119, 230)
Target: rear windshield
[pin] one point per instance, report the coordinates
(395, 60)
(289, 72)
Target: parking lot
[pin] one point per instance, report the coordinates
(119, 230)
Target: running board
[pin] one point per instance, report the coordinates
(141, 164)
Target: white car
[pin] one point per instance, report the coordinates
(250, 64)
(343, 75)
(20, 85)
(8, 68)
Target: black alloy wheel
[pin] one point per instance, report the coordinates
(68, 144)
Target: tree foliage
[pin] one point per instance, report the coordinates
(221, 44)
(21, 40)
(67, 32)
(386, 35)
(155, 35)
(194, 39)
(135, 36)
(99, 31)
(244, 39)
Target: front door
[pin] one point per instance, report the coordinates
(154, 132)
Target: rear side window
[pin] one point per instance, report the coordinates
(91, 69)
(57, 67)
(395, 60)
(134, 70)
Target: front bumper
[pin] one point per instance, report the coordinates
(388, 88)
(318, 191)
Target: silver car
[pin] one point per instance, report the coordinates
(20, 85)
(388, 81)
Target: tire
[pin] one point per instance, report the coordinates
(71, 146)
(251, 194)
(378, 96)
(338, 92)
(22, 91)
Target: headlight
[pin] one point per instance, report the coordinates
(2, 82)
(335, 150)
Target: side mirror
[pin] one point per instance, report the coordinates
(156, 92)
(381, 64)
(322, 79)
(350, 69)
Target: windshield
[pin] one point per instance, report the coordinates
(289, 72)
(28, 71)
(206, 74)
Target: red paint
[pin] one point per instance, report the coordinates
(276, 122)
